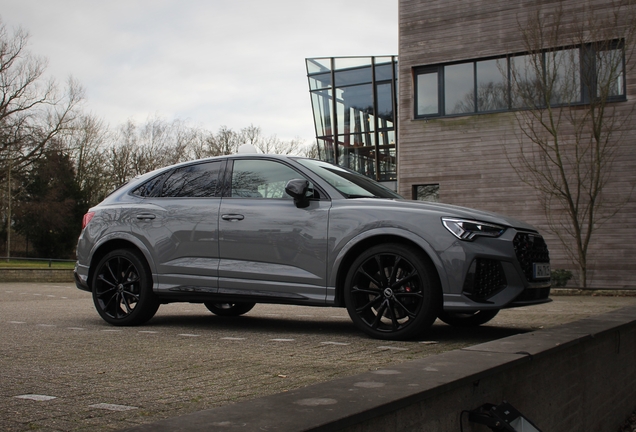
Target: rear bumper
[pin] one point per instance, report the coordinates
(80, 273)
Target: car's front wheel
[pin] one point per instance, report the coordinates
(229, 309)
(122, 289)
(392, 293)
(468, 319)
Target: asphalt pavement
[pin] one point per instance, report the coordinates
(63, 369)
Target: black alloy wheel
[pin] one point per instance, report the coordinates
(468, 319)
(229, 309)
(122, 289)
(392, 293)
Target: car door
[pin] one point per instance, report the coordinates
(269, 247)
(181, 223)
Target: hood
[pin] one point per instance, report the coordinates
(460, 212)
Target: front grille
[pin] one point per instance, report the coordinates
(530, 248)
(485, 278)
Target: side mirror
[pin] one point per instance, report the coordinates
(297, 189)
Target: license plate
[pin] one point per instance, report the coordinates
(541, 271)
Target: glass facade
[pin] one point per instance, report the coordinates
(355, 112)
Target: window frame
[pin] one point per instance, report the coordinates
(587, 64)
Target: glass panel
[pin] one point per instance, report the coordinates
(325, 150)
(351, 62)
(386, 138)
(525, 82)
(563, 76)
(387, 156)
(459, 88)
(340, 111)
(383, 60)
(492, 90)
(427, 94)
(261, 179)
(609, 73)
(383, 71)
(385, 101)
(353, 76)
(320, 81)
(426, 192)
(198, 180)
(358, 153)
(321, 101)
(316, 65)
(357, 113)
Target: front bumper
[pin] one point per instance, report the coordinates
(497, 273)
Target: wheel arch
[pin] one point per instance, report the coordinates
(353, 249)
(115, 243)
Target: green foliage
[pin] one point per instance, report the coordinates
(49, 211)
(560, 277)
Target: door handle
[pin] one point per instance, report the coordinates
(232, 217)
(145, 216)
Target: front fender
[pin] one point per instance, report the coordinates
(418, 241)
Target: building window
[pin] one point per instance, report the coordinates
(558, 77)
(427, 98)
(459, 88)
(492, 85)
(426, 192)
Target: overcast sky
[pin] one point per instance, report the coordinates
(214, 63)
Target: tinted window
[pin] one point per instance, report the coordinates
(149, 188)
(261, 179)
(198, 180)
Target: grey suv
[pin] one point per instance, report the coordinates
(237, 230)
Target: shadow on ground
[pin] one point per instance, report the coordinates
(291, 326)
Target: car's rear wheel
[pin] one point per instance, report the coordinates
(122, 289)
(468, 319)
(229, 309)
(392, 293)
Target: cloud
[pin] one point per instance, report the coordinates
(223, 62)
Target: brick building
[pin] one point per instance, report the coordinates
(462, 145)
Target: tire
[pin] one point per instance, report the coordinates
(392, 293)
(229, 309)
(468, 319)
(122, 289)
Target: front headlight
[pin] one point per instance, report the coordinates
(465, 229)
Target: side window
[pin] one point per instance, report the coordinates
(199, 181)
(149, 188)
(261, 179)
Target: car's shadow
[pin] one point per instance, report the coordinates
(287, 326)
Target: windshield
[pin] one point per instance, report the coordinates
(349, 183)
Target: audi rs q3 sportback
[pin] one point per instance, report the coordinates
(233, 231)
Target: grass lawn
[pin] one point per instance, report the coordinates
(13, 263)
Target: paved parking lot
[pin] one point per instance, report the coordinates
(63, 368)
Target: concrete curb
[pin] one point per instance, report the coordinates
(569, 368)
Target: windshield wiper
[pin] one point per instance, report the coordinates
(362, 196)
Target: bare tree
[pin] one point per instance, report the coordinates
(86, 143)
(225, 141)
(568, 90)
(269, 145)
(33, 111)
